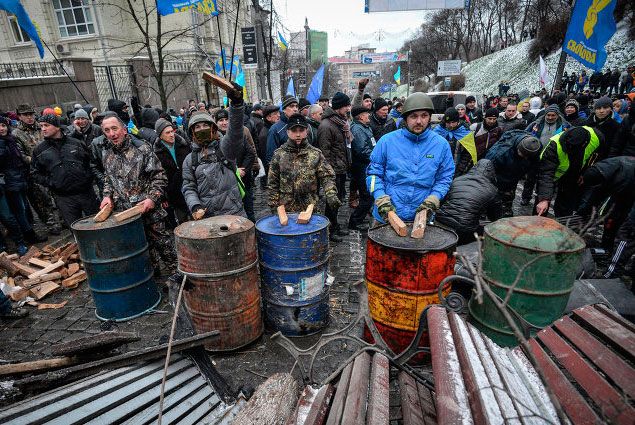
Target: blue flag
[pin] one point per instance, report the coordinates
(397, 76)
(206, 7)
(592, 24)
(25, 22)
(315, 90)
(230, 66)
(291, 87)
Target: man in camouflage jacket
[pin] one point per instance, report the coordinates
(133, 176)
(297, 171)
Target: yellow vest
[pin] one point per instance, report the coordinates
(563, 157)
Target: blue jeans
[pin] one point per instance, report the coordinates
(5, 303)
(9, 221)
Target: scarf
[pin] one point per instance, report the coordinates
(343, 125)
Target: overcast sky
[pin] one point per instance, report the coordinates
(348, 25)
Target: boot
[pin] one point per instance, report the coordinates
(14, 313)
(21, 250)
(32, 237)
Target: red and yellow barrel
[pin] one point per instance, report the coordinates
(402, 277)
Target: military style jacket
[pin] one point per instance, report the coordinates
(296, 174)
(132, 173)
(28, 138)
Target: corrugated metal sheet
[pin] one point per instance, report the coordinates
(128, 395)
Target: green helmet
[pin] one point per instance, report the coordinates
(417, 102)
(199, 116)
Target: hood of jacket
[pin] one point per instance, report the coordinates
(116, 105)
(535, 103)
(149, 117)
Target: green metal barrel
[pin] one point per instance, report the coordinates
(545, 255)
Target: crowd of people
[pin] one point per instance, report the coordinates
(572, 150)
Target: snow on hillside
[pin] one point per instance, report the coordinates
(512, 64)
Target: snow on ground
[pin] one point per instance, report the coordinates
(512, 64)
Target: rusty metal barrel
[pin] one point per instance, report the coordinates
(293, 264)
(117, 263)
(403, 276)
(544, 255)
(218, 255)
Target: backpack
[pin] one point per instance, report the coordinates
(227, 163)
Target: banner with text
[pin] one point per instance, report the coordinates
(206, 7)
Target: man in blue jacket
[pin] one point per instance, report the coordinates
(361, 147)
(411, 168)
(277, 135)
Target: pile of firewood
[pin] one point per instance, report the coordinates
(41, 272)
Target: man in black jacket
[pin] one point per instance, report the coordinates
(380, 123)
(62, 164)
(171, 149)
(602, 119)
(83, 129)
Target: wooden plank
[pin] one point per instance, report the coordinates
(48, 269)
(397, 224)
(451, 401)
(25, 271)
(37, 365)
(44, 278)
(39, 263)
(411, 408)
(272, 403)
(620, 337)
(305, 216)
(610, 402)
(130, 212)
(43, 289)
(614, 316)
(103, 214)
(419, 225)
(426, 400)
(571, 400)
(282, 216)
(31, 253)
(355, 407)
(217, 81)
(75, 280)
(610, 363)
(320, 407)
(378, 397)
(337, 408)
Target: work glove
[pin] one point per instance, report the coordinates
(431, 203)
(362, 83)
(384, 206)
(332, 200)
(236, 95)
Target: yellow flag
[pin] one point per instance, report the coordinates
(468, 143)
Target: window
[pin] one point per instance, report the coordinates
(74, 19)
(19, 35)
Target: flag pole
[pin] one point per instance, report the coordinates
(231, 68)
(220, 42)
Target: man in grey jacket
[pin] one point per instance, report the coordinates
(210, 184)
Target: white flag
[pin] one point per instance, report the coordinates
(544, 75)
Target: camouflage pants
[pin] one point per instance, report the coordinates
(42, 203)
(161, 245)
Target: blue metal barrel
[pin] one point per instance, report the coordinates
(117, 264)
(293, 270)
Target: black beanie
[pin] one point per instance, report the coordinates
(220, 114)
(470, 99)
(451, 115)
(366, 96)
(491, 112)
(51, 119)
(577, 136)
(379, 103)
(340, 100)
(304, 103)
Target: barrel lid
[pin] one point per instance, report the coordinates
(271, 225)
(535, 233)
(213, 227)
(88, 223)
(435, 238)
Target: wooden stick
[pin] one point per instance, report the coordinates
(103, 214)
(130, 212)
(305, 216)
(46, 270)
(282, 216)
(44, 278)
(32, 252)
(47, 364)
(397, 224)
(39, 263)
(419, 225)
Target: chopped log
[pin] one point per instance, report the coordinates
(419, 225)
(130, 212)
(63, 272)
(282, 216)
(38, 365)
(103, 214)
(68, 251)
(24, 270)
(74, 281)
(19, 294)
(73, 268)
(397, 224)
(41, 290)
(31, 253)
(74, 257)
(8, 266)
(11, 281)
(48, 269)
(13, 257)
(39, 263)
(56, 252)
(305, 216)
(45, 306)
(272, 403)
(48, 249)
(29, 283)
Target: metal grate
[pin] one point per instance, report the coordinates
(114, 82)
(9, 71)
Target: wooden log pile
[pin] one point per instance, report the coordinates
(41, 272)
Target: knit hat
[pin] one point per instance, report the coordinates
(220, 114)
(161, 125)
(573, 102)
(552, 108)
(358, 110)
(269, 110)
(470, 99)
(491, 112)
(288, 100)
(58, 111)
(24, 108)
(577, 136)
(366, 96)
(323, 99)
(48, 111)
(80, 113)
(51, 119)
(451, 115)
(77, 106)
(5, 120)
(297, 120)
(529, 147)
(460, 106)
(603, 102)
(303, 103)
(379, 103)
(340, 100)
(257, 107)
